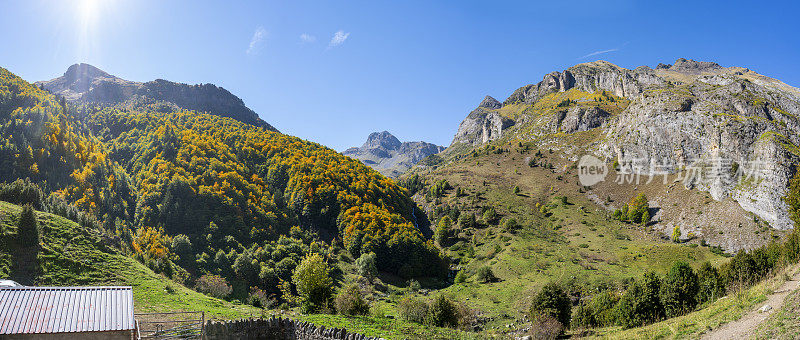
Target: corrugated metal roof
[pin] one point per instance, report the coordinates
(32, 310)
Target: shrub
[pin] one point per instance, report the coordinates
(676, 234)
(546, 327)
(350, 302)
(583, 316)
(602, 306)
(679, 290)
(442, 312)
(485, 275)
(510, 223)
(516, 190)
(490, 216)
(313, 283)
(28, 227)
(22, 192)
(552, 301)
(641, 305)
(461, 277)
(413, 309)
(259, 298)
(413, 285)
(710, 284)
(366, 265)
(636, 208)
(213, 285)
(467, 221)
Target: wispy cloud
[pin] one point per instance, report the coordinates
(307, 38)
(338, 38)
(256, 41)
(599, 53)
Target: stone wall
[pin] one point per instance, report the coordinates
(276, 328)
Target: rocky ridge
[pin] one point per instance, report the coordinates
(689, 116)
(85, 83)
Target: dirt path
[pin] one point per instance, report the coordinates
(743, 328)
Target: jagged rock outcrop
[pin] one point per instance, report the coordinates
(85, 83)
(682, 117)
(384, 152)
(482, 124)
(578, 119)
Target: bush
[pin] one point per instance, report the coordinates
(213, 285)
(350, 302)
(546, 327)
(442, 312)
(637, 208)
(313, 283)
(602, 305)
(413, 285)
(28, 227)
(467, 220)
(676, 234)
(679, 290)
(710, 284)
(490, 216)
(412, 309)
(516, 190)
(552, 301)
(583, 317)
(510, 223)
(461, 277)
(641, 304)
(485, 275)
(22, 192)
(259, 298)
(366, 265)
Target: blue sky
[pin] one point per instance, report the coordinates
(334, 71)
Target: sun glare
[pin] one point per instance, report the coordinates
(87, 10)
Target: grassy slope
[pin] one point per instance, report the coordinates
(73, 255)
(577, 241)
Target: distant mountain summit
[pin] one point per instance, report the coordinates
(88, 84)
(385, 153)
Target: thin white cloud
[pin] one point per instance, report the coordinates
(338, 38)
(599, 53)
(256, 41)
(307, 38)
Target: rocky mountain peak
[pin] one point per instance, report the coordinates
(490, 103)
(694, 67)
(84, 71)
(384, 152)
(383, 139)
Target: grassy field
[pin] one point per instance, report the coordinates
(72, 255)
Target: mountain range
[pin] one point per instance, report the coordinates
(84, 83)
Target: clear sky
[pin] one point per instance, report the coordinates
(334, 71)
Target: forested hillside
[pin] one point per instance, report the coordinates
(193, 194)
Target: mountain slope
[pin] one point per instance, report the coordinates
(687, 120)
(384, 152)
(85, 83)
(247, 202)
(74, 255)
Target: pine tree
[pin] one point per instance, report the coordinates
(27, 227)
